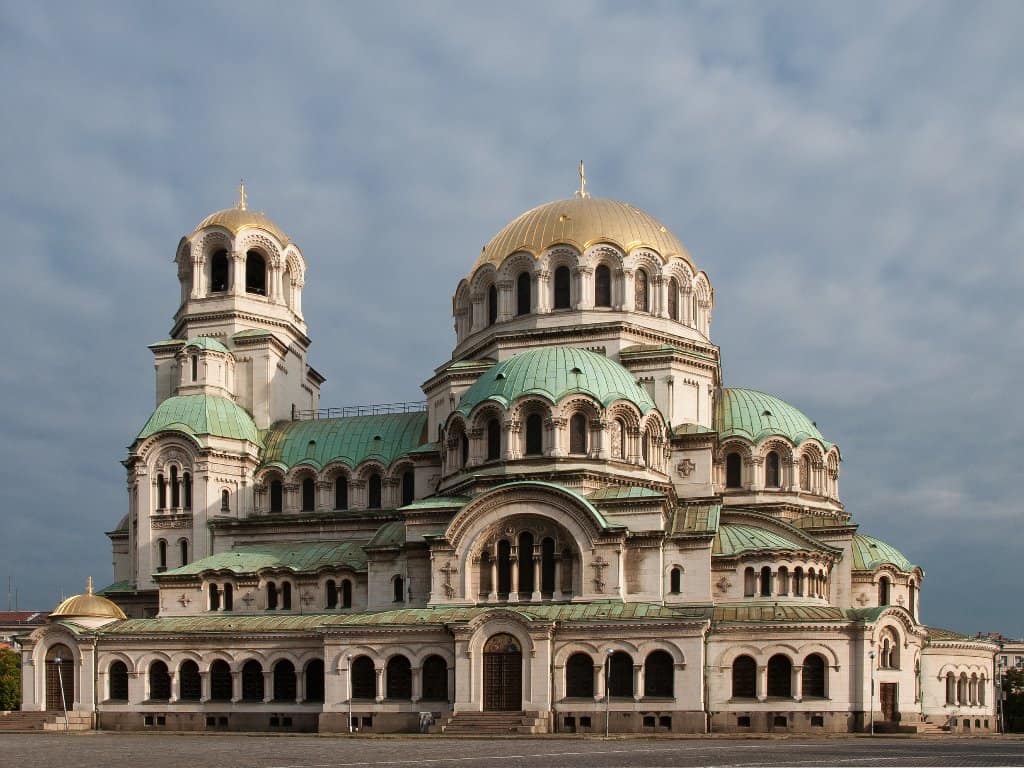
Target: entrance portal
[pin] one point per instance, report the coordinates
(60, 670)
(503, 674)
(887, 697)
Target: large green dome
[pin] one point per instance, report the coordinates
(869, 553)
(756, 415)
(202, 415)
(554, 373)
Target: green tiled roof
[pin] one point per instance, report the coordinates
(691, 429)
(583, 500)
(205, 342)
(736, 539)
(779, 613)
(438, 502)
(350, 440)
(869, 553)
(935, 633)
(252, 333)
(202, 415)
(554, 373)
(695, 519)
(616, 493)
(167, 343)
(118, 587)
(232, 623)
(756, 415)
(389, 535)
(300, 557)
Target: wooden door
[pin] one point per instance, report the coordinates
(503, 674)
(887, 697)
(58, 675)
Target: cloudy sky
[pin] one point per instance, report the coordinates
(849, 175)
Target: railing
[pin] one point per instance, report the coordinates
(359, 410)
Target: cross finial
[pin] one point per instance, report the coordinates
(89, 585)
(583, 183)
(242, 202)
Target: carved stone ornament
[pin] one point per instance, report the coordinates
(685, 467)
(723, 585)
(863, 599)
(599, 565)
(448, 571)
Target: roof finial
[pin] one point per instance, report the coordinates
(583, 183)
(242, 202)
(89, 585)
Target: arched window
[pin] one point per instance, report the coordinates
(219, 272)
(645, 441)
(673, 299)
(229, 597)
(276, 496)
(534, 435)
(659, 675)
(161, 492)
(733, 470)
(602, 286)
(220, 681)
(252, 681)
(308, 495)
(117, 681)
(579, 677)
(620, 675)
(798, 581)
(271, 596)
(364, 678)
(286, 596)
(771, 470)
(255, 274)
(315, 680)
(883, 590)
(982, 687)
(195, 367)
(814, 677)
(766, 581)
(547, 566)
(398, 589)
(563, 290)
(744, 678)
(214, 592)
(332, 594)
(782, 581)
(641, 303)
(526, 585)
(175, 489)
(950, 688)
(675, 580)
(780, 677)
(749, 582)
(399, 678)
(190, 684)
(578, 434)
(346, 594)
(373, 491)
(492, 305)
(159, 682)
(284, 681)
(435, 679)
(504, 568)
(225, 500)
(465, 451)
(341, 492)
(805, 473)
(161, 547)
(523, 294)
(619, 450)
(408, 487)
(493, 440)
(912, 602)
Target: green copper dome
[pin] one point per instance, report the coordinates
(554, 373)
(202, 415)
(756, 415)
(205, 342)
(736, 539)
(869, 553)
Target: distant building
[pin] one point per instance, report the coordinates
(16, 623)
(581, 518)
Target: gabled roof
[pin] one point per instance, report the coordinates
(300, 557)
(695, 520)
(349, 440)
(757, 415)
(202, 414)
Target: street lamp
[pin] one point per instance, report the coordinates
(871, 714)
(607, 687)
(348, 659)
(63, 701)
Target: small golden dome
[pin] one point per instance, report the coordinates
(88, 606)
(582, 221)
(240, 217)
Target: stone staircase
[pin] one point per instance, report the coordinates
(44, 721)
(492, 724)
(929, 728)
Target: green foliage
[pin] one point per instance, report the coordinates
(1013, 704)
(10, 679)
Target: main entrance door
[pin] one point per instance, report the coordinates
(503, 674)
(887, 697)
(60, 670)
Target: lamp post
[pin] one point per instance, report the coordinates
(348, 659)
(607, 688)
(871, 713)
(63, 701)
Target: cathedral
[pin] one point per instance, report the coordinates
(580, 528)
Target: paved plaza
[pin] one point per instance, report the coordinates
(112, 750)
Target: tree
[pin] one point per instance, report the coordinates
(10, 679)
(1013, 701)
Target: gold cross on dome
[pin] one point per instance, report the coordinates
(583, 183)
(89, 584)
(243, 203)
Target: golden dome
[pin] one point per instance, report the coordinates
(240, 217)
(88, 606)
(581, 222)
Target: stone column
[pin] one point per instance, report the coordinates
(598, 445)
(492, 596)
(557, 595)
(236, 273)
(798, 683)
(268, 686)
(513, 590)
(537, 555)
(762, 682)
(300, 686)
(627, 296)
(505, 311)
(379, 676)
(510, 439)
(541, 289)
(599, 681)
(204, 686)
(417, 684)
(659, 296)
(638, 682)
(584, 287)
(175, 687)
(556, 428)
(236, 685)
(479, 312)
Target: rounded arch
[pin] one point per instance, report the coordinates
(515, 264)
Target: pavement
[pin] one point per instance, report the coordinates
(191, 750)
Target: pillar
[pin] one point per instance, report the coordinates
(268, 686)
(798, 682)
(204, 686)
(379, 674)
(492, 596)
(513, 590)
(417, 684)
(537, 554)
(236, 685)
(599, 681)
(557, 595)
(638, 682)
(762, 682)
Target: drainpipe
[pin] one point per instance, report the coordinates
(707, 687)
(95, 682)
